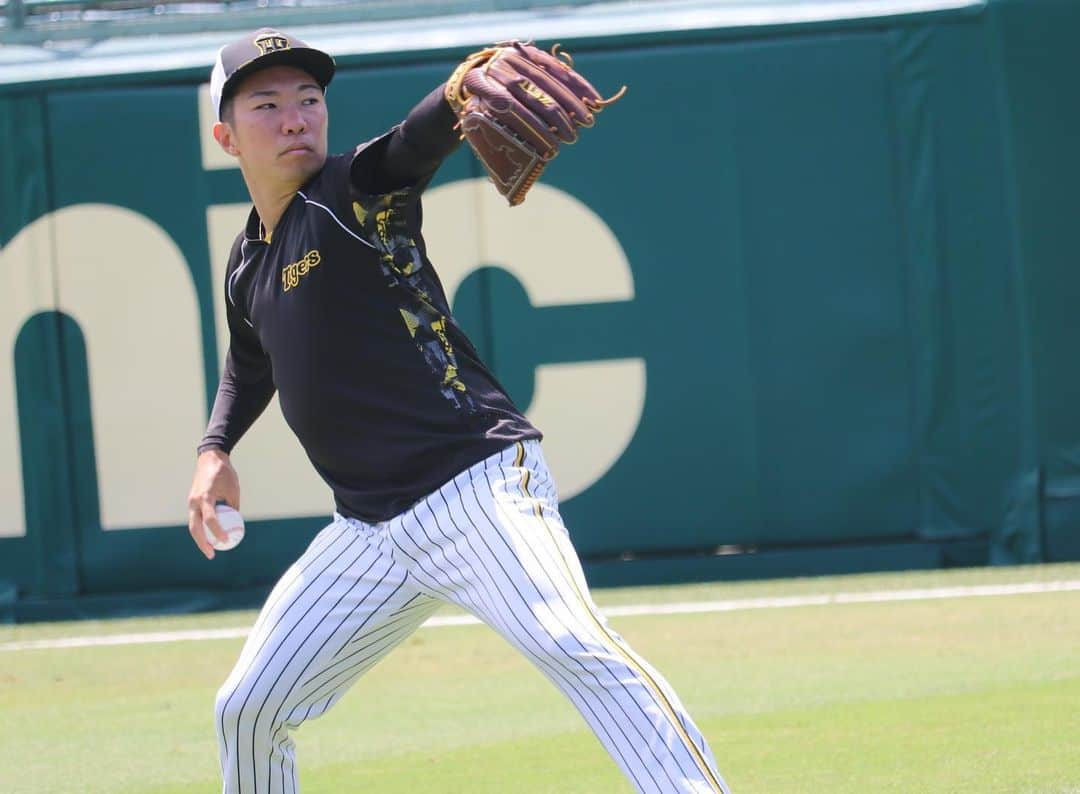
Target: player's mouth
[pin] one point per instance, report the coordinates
(297, 149)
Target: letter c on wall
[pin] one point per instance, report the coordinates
(589, 411)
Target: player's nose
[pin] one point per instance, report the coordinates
(293, 122)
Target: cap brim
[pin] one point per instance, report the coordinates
(315, 62)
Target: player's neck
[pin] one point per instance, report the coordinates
(270, 202)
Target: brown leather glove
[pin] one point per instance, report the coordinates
(517, 104)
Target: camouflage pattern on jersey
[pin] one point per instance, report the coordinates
(383, 220)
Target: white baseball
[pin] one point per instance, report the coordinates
(232, 522)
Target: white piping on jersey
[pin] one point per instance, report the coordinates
(244, 262)
(335, 217)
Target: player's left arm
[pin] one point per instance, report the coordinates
(410, 153)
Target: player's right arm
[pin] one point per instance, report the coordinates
(245, 389)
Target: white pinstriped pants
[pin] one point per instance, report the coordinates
(491, 541)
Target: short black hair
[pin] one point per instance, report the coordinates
(226, 113)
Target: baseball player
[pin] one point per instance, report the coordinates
(439, 481)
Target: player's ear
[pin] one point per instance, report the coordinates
(223, 134)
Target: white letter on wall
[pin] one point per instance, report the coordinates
(27, 275)
(126, 284)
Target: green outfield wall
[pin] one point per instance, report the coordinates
(803, 302)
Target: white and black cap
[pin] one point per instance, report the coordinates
(265, 47)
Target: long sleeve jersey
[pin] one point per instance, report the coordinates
(342, 313)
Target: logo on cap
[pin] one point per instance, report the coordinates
(271, 42)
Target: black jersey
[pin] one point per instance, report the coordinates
(342, 312)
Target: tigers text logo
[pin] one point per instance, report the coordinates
(291, 274)
(271, 43)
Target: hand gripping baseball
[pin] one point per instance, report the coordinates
(516, 106)
(215, 481)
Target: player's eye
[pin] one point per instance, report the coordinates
(265, 106)
(311, 100)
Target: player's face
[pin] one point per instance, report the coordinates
(278, 125)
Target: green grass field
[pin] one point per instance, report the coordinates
(960, 695)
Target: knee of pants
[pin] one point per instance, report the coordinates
(227, 707)
(239, 704)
